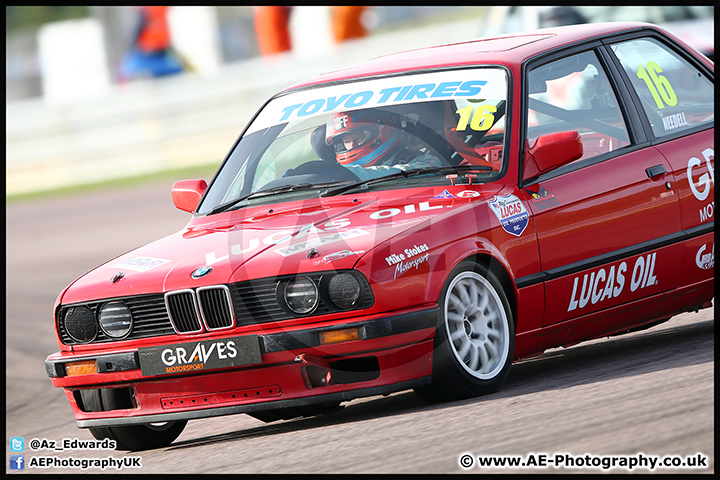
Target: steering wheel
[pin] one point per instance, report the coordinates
(329, 170)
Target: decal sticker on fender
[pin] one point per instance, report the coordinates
(140, 264)
(541, 198)
(703, 260)
(408, 259)
(409, 252)
(511, 213)
(403, 266)
(600, 285)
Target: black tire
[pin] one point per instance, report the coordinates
(474, 339)
(134, 437)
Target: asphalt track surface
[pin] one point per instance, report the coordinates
(642, 395)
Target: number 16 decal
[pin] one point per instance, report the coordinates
(659, 86)
(480, 120)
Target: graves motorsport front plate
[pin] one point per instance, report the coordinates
(197, 356)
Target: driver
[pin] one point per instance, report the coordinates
(373, 143)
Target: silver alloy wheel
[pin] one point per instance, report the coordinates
(477, 325)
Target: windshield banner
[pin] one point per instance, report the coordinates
(469, 84)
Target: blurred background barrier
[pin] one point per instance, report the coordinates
(87, 127)
(105, 94)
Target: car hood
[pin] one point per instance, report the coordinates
(280, 239)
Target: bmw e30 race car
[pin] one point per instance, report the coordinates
(418, 221)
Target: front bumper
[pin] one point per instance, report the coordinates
(392, 353)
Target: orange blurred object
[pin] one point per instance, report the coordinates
(346, 22)
(271, 27)
(154, 31)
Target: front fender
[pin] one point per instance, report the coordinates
(480, 250)
(412, 267)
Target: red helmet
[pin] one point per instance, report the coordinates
(362, 137)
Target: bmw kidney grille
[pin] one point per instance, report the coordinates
(209, 308)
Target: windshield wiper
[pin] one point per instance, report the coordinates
(262, 193)
(406, 174)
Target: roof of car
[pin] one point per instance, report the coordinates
(510, 49)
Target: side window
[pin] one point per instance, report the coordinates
(675, 95)
(574, 93)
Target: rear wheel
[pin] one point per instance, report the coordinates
(475, 336)
(132, 437)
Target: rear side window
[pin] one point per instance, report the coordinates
(675, 95)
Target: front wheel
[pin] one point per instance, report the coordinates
(474, 339)
(133, 437)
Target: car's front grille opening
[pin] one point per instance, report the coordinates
(105, 399)
(216, 307)
(183, 311)
(149, 312)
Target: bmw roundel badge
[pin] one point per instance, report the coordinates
(201, 272)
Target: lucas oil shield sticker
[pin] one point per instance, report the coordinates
(511, 213)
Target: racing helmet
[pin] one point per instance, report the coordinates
(363, 137)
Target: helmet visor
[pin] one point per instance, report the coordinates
(355, 138)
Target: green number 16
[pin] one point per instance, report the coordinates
(658, 85)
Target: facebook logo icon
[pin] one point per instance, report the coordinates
(17, 462)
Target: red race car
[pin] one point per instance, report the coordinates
(417, 221)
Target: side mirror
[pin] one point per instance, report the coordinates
(186, 194)
(551, 151)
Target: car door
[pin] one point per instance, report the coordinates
(677, 95)
(605, 222)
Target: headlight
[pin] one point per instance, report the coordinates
(80, 324)
(301, 295)
(115, 319)
(344, 291)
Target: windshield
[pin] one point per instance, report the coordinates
(372, 133)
